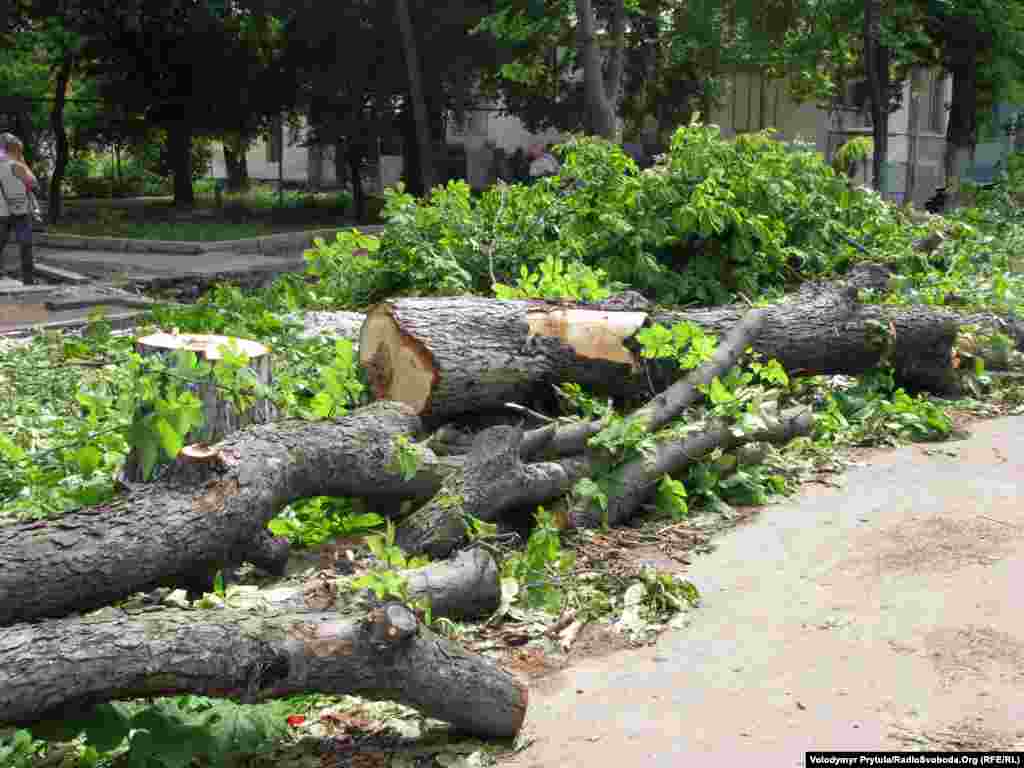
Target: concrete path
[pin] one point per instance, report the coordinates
(136, 264)
(887, 615)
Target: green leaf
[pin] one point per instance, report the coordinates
(671, 497)
(717, 393)
(589, 489)
(10, 450)
(105, 726)
(88, 458)
(171, 441)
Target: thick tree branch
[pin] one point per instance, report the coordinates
(56, 668)
(177, 532)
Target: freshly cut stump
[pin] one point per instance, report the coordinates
(221, 416)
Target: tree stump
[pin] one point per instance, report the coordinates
(221, 416)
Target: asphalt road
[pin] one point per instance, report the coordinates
(885, 615)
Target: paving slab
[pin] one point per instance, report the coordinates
(64, 275)
(887, 615)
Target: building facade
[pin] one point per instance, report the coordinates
(914, 167)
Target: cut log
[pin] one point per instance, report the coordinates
(465, 587)
(56, 669)
(172, 532)
(446, 357)
(221, 417)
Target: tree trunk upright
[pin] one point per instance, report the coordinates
(601, 91)
(60, 163)
(416, 95)
(179, 146)
(354, 156)
(962, 130)
(236, 163)
(876, 66)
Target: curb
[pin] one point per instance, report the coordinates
(118, 322)
(268, 244)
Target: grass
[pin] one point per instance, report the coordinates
(254, 214)
(190, 231)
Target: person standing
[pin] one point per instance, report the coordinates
(16, 184)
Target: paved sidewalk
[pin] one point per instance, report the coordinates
(886, 615)
(105, 263)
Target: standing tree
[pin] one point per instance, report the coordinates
(601, 85)
(410, 53)
(876, 68)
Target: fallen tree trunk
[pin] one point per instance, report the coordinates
(494, 478)
(465, 587)
(446, 357)
(180, 530)
(58, 668)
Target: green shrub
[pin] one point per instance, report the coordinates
(716, 219)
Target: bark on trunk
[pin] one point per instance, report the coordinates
(355, 163)
(177, 532)
(221, 417)
(601, 90)
(52, 670)
(446, 357)
(876, 65)
(416, 95)
(179, 145)
(494, 481)
(237, 165)
(962, 46)
(60, 163)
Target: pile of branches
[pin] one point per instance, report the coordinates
(430, 362)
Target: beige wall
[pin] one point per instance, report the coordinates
(505, 131)
(297, 161)
(743, 111)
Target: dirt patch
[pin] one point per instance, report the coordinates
(531, 663)
(935, 545)
(975, 652)
(598, 640)
(967, 735)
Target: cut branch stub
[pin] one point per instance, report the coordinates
(221, 417)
